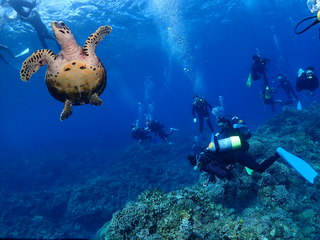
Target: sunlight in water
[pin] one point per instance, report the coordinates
(174, 34)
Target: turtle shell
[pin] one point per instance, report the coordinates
(76, 81)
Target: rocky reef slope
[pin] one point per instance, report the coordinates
(278, 204)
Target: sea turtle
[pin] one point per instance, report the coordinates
(75, 76)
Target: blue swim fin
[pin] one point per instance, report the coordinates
(249, 80)
(22, 53)
(249, 170)
(300, 165)
(299, 106)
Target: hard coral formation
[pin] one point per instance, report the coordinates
(278, 204)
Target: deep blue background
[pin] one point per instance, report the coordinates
(160, 52)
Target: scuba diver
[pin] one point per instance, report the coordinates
(41, 29)
(285, 84)
(23, 7)
(7, 50)
(230, 146)
(267, 95)
(314, 7)
(203, 108)
(307, 80)
(258, 69)
(156, 127)
(140, 134)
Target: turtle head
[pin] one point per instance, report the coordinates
(61, 32)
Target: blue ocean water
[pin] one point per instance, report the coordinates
(180, 48)
(160, 52)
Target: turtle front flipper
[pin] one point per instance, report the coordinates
(67, 110)
(94, 39)
(34, 62)
(95, 100)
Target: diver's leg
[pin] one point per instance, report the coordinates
(288, 93)
(266, 82)
(201, 124)
(27, 7)
(248, 161)
(209, 124)
(216, 171)
(162, 134)
(42, 40)
(294, 95)
(28, 4)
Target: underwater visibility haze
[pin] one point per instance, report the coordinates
(67, 178)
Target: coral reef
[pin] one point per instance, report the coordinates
(278, 204)
(73, 195)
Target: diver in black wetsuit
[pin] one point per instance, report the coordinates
(267, 95)
(7, 50)
(307, 80)
(218, 159)
(156, 127)
(35, 20)
(22, 7)
(140, 134)
(285, 84)
(258, 68)
(203, 108)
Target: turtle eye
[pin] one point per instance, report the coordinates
(59, 24)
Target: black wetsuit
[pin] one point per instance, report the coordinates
(202, 108)
(307, 82)
(220, 163)
(267, 97)
(258, 69)
(42, 31)
(157, 128)
(22, 7)
(285, 84)
(140, 134)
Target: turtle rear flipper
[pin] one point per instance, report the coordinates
(34, 62)
(94, 39)
(67, 110)
(95, 100)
